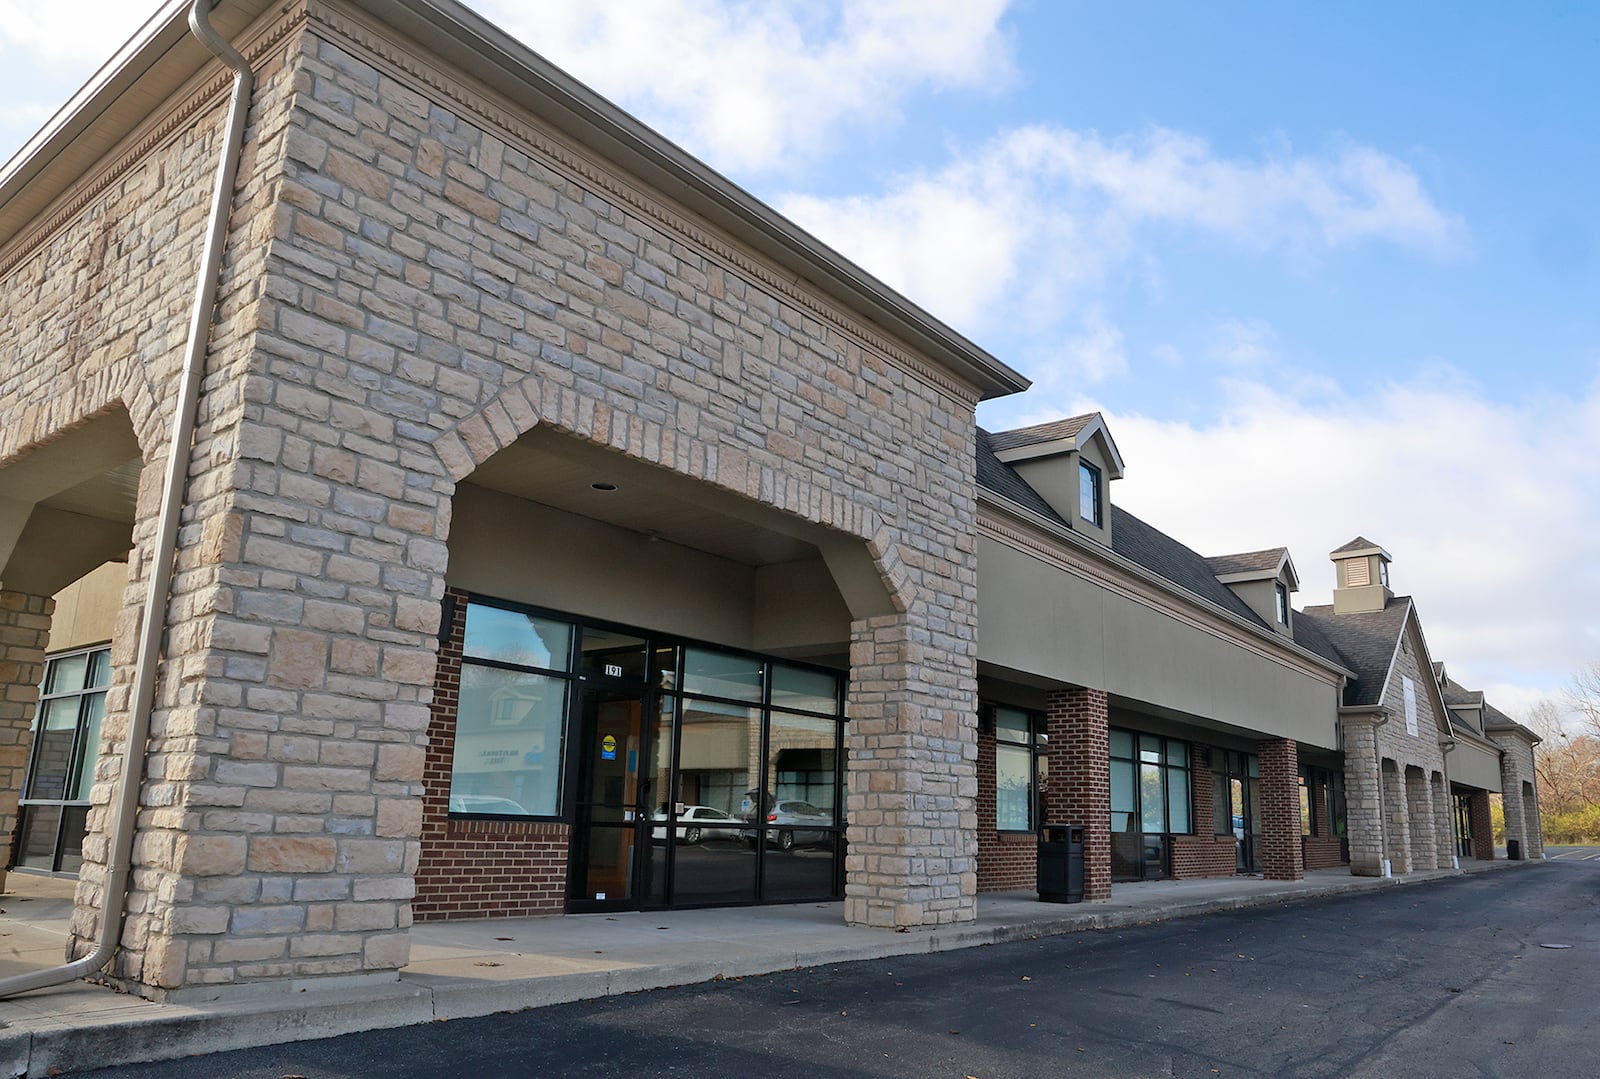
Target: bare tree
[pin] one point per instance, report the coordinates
(1583, 697)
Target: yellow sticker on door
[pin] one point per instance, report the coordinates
(608, 748)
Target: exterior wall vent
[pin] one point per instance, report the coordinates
(1357, 572)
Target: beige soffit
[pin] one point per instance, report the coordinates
(1261, 636)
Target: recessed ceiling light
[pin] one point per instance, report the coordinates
(603, 486)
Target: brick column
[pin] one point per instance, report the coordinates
(913, 746)
(24, 631)
(1419, 811)
(1444, 846)
(1363, 796)
(1482, 826)
(1080, 778)
(1280, 810)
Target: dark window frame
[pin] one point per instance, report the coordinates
(1091, 471)
(1281, 590)
(1036, 744)
(1166, 787)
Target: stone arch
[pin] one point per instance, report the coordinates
(529, 403)
(1444, 844)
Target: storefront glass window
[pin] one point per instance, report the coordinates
(66, 749)
(508, 748)
(1150, 793)
(1019, 760)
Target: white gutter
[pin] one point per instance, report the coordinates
(166, 541)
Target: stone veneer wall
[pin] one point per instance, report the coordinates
(1363, 795)
(1079, 791)
(418, 274)
(24, 633)
(478, 868)
(1519, 792)
(1280, 810)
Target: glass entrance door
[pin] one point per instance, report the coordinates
(606, 871)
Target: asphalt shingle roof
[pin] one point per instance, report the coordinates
(1040, 432)
(1248, 562)
(1360, 543)
(997, 476)
(1131, 538)
(1366, 639)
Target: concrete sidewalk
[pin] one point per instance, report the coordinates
(462, 969)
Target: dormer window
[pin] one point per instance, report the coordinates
(1089, 503)
(1283, 603)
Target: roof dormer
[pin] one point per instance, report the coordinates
(1070, 463)
(1362, 583)
(1264, 580)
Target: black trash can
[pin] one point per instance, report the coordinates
(1060, 872)
(1514, 849)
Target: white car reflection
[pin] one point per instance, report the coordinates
(486, 803)
(792, 821)
(696, 823)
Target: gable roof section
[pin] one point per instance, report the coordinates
(1368, 641)
(1254, 566)
(1360, 545)
(1268, 561)
(1057, 437)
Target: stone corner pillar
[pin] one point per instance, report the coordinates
(1078, 790)
(1363, 796)
(1444, 849)
(24, 635)
(912, 810)
(1516, 767)
(1281, 855)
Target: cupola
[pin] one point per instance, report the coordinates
(1362, 582)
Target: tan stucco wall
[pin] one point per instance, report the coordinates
(515, 549)
(87, 609)
(1474, 766)
(1038, 619)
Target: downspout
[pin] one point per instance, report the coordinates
(165, 547)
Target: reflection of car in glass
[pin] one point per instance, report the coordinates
(695, 823)
(485, 803)
(792, 821)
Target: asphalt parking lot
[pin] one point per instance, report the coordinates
(1489, 974)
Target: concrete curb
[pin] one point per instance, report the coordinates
(171, 1031)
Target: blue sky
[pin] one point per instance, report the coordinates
(1327, 269)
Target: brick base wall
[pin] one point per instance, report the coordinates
(1322, 851)
(1204, 856)
(1007, 862)
(478, 868)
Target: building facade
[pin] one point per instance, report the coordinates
(563, 530)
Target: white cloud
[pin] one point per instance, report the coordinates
(1245, 343)
(750, 86)
(1020, 230)
(1488, 507)
(81, 34)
